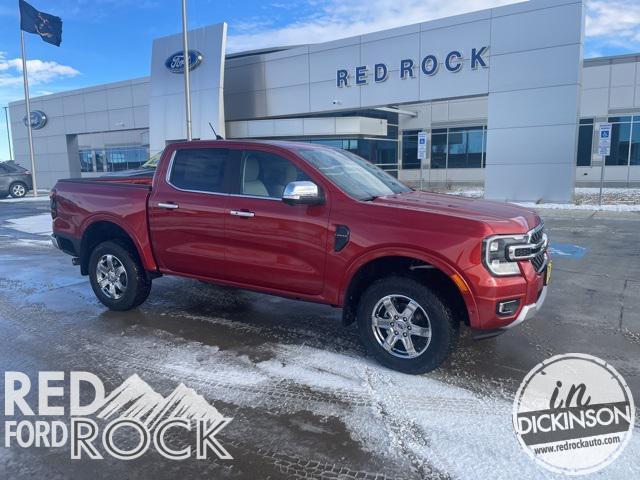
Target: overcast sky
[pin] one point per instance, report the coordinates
(110, 40)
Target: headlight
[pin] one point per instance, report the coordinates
(496, 256)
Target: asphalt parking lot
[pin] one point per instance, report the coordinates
(305, 400)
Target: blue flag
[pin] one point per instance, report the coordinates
(49, 27)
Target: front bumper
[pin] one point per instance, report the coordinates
(529, 311)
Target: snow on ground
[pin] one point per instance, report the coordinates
(425, 420)
(43, 196)
(34, 224)
(613, 199)
(27, 242)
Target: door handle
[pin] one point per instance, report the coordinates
(170, 206)
(242, 213)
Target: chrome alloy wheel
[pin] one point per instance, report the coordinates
(18, 190)
(401, 326)
(111, 276)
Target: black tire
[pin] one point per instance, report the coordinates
(16, 192)
(444, 328)
(137, 287)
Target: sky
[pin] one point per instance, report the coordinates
(109, 40)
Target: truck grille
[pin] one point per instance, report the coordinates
(536, 235)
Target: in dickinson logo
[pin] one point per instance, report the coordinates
(574, 414)
(124, 424)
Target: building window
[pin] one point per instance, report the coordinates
(453, 147)
(439, 148)
(625, 141)
(410, 149)
(585, 142)
(634, 154)
(86, 160)
(620, 141)
(112, 159)
(466, 147)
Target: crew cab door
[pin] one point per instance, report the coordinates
(187, 211)
(269, 243)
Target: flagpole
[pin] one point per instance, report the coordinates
(28, 104)
(187, 74)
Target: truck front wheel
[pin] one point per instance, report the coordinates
(405, 326)
(117, 277)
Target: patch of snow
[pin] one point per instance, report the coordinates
(27, 242)
(586, 198)
(43, 195)
(620, 207)
(34, 224)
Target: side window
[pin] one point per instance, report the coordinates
(266, 174)
(2, 169)
(200, 169)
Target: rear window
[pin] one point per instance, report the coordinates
(200, 169)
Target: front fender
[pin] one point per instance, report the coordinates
(430, 258)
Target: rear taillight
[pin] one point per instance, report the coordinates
(53, 203)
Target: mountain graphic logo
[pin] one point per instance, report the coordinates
(135, 399)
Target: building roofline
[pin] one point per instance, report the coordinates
(624, 58)
(259, 51)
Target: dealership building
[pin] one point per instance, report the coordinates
(503, 95)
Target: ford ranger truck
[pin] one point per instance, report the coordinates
(313, 223)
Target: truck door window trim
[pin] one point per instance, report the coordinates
(223, 194)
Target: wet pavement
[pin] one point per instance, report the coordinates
(306, 402)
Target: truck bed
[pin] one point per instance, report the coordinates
(82, 203)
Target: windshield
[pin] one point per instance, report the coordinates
(352, 174)
(153, 161)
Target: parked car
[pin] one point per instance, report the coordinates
(313, 223)
(14, 180)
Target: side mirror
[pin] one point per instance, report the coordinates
(302, 193)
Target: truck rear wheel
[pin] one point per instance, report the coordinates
(405, 326)
(117, 276)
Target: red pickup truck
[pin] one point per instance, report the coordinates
(313, 223)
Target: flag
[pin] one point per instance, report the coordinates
(49, 27)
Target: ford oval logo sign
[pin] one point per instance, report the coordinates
(38, 119)
(175, 63)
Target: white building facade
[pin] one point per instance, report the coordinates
(503, 94)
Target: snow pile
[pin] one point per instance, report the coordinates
(34, 224)
(613, 199)
(43, 195)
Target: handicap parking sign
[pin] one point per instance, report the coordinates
(604, 143)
